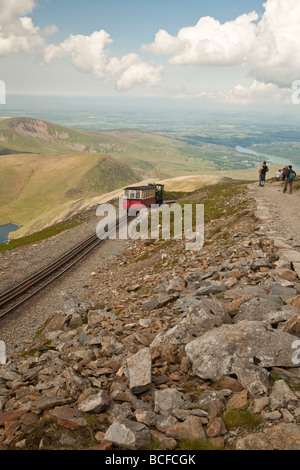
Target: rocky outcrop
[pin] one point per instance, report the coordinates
(195, 347)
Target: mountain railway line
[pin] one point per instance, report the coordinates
(50, 273)
(16, 296)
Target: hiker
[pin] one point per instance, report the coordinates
(285, 172)
(278, 175)
(262, 173)
(289, 180)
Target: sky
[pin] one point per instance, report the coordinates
(242, 53)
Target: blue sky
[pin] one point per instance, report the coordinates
(235, 52)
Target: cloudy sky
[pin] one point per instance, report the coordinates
(240, 52)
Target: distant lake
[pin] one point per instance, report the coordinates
(270, 158)
(5, 231)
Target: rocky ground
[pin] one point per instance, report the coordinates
(168, 348)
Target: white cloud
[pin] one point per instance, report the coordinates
(256, 93)
(17, 32)
(87, 53)
(141, 73)
(11, 10)
(269, 47)
(209, 42)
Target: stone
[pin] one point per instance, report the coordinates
(292, 326)
(237, 344)
(190, 429)
(286, 293)
(140, 371)
(169, 399)
(255, 310)
(296, 302)
(128, 434)
(255, 379)
(146, 417)
(165, 442)
(281, 395)
(92, 401)
(230, 383)
(177, 284)
(105, 445)
(149, 305)
(212, 402)
(259, 404)
(285, 436)
(238, 401)
(287, 416)
(47, 403)
(117, 411)
(201, 317)
(212, 288)
(68, 417)
(215, 428)
(271, 416)
(253, 442)
(10, 416)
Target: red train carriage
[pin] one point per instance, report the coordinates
(137, 196)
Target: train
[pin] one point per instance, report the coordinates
(136, 197)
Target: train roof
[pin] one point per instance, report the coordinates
(140, 188)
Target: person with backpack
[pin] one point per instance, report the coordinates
(262, 173)
(285, 172)
(290, 177)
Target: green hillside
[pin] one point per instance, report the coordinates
(148, 153)
(35, 189)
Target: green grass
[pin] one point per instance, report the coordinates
(38, 236)
(241, 419)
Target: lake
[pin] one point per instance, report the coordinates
(5, 231)
(270, 158)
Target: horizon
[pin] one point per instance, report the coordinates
(197, 55)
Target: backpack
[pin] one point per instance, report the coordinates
(266, 169)
(292, 175)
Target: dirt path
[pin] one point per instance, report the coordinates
(279, 212)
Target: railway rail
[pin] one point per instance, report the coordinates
(16, 296)
(49, 273)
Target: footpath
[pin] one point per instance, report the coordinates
(279, 214)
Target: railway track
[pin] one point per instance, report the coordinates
(25, 290)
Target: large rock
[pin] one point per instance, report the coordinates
(292, 326)
(256, 309)
(92, 401)
(139, 371)
(201, 317)
(190, 429)
(281, 395)
(128, 434)
(285, 436)
(224, 350)
(168, 400)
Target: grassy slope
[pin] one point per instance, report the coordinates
(192, 183)
(150, 153)
(36, 188)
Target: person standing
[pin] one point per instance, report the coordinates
(262, 174)
(290, 177)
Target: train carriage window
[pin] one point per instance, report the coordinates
(126, 193)
(138, 194)
(132, 195)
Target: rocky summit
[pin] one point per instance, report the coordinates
(170, 349)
